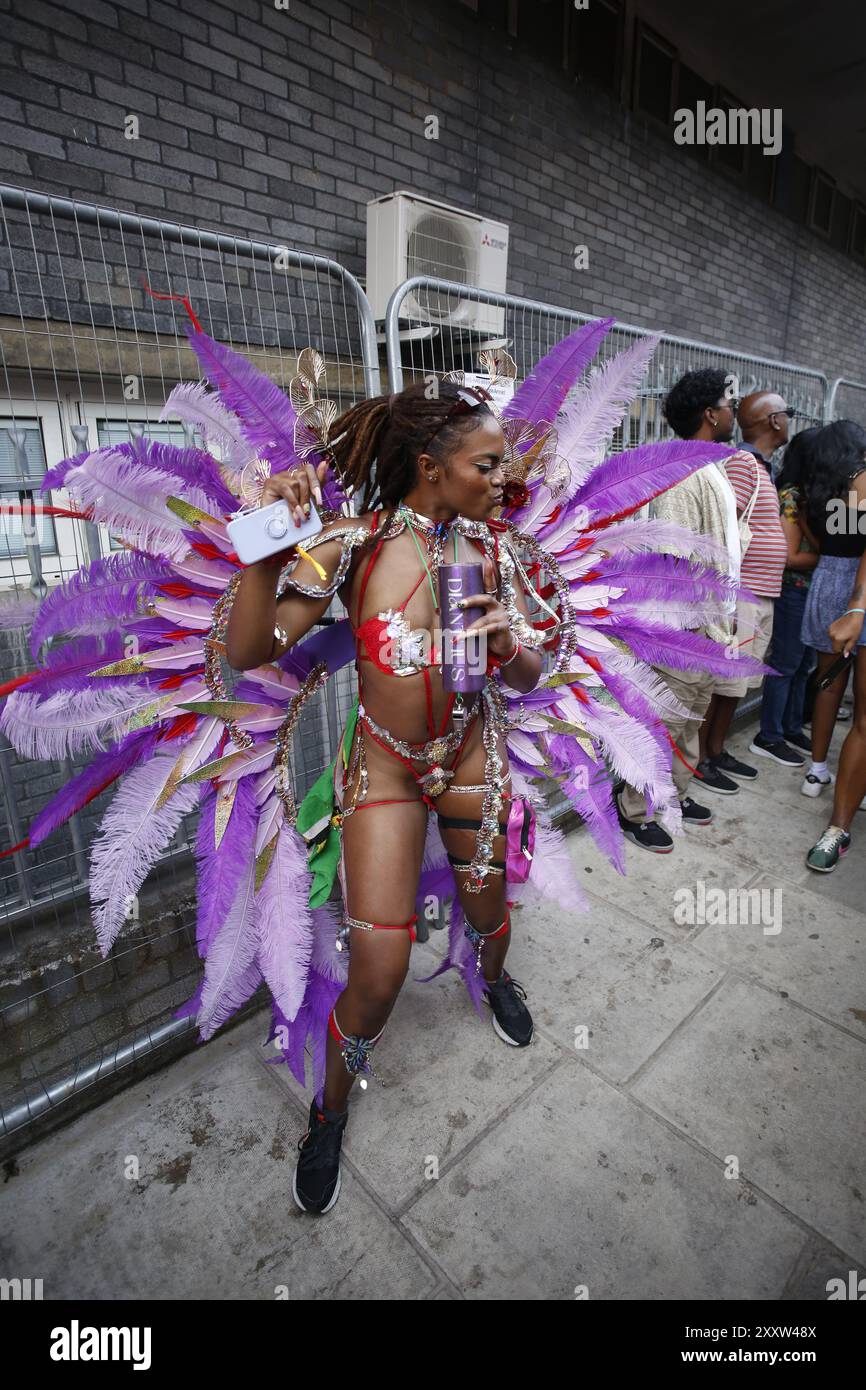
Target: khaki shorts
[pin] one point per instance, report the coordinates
(754, 630)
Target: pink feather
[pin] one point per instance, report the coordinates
(131, 499)
(285, 922)
(132, 835)
(232, 973)
(70, 720)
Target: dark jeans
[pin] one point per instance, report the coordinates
(784, 695)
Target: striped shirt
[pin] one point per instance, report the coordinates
(764, 561)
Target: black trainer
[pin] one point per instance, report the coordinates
(649, 836)
(693, 814)
(714, 780)
(511, 1018)
(800, 740)
(732, 767)
(779, 752)
(316, 1184)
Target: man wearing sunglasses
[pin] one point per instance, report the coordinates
(763, 418)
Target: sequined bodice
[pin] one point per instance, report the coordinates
(390, 631)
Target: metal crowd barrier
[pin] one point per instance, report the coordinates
(847, 401)
(87, 357)
(471, 319)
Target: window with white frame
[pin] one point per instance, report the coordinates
(116, 424)
(22, 468)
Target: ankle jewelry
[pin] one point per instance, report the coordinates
(478, 938)
(355, 1049)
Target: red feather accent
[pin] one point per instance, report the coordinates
(209, 551)
(21, 845)
(18, 680)
(180, 725)
(176, 588)
(43, 509)
(172, 682)
(181, 299)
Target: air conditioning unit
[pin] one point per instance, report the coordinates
(408, 235)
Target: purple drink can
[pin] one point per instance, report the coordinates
(464, 664)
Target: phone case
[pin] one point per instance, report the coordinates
(257, 534)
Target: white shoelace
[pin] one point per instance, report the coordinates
(832, 838)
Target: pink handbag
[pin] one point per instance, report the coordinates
(519, 840)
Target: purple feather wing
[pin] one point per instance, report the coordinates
(626, 481)
(100, 773)
(191, 466)
(55, 477)
(589, 789)
(220, 870)
(684, 651)
(541, 395)
(267, 417)
(106, 591)
(665, 577)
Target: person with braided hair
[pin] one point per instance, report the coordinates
(148, 632)
(438, 480)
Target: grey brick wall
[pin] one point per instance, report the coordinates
(284, 123)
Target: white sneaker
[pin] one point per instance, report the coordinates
(814, 785)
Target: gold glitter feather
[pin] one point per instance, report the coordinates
(222, 813)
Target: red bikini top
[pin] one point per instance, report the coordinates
(373, 633)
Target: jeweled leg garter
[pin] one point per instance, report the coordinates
(355, 1049)
(344, 934)
(478, 938)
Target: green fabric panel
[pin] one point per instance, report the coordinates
(320, 801)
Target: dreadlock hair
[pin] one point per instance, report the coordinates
(375, 445)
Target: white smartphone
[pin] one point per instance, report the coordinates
(257, 534)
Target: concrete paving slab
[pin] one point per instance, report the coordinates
(448, 1076)
(579, 1186)
(648, 889)
(557, 1166)
(211, 1215)
(816, 958)
(754, 828)
(628, 984)
(755, 1076)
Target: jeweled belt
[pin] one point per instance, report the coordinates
(434, 751)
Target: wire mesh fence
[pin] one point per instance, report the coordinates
(847, 401)
(87, 358)
(436, 325)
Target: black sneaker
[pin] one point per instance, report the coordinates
(511, 1018)
(716, 781)
(800, 740)
(732, 766)
(779, 752)
(693, 814)
(316, 1184)
(649, 836)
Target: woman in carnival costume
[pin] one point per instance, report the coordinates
(572, 583)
